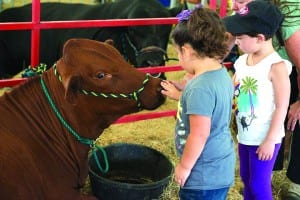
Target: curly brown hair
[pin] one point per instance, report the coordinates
(204, 31)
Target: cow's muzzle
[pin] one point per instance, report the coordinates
(152, 56)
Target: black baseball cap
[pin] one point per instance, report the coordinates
(258, 16)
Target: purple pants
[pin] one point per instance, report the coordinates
(256, 174)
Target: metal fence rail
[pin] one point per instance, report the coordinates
(36, 25)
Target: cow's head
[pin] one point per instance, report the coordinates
(145, 46)
(96, 71)
(150, 41)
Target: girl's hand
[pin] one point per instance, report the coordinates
(293, 115)
(181, 174)
(170, 89)
(265, 150)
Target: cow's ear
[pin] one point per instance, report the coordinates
(175, 10)
(72, 87)
(110, 42)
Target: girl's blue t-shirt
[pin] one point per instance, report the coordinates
(209, 94)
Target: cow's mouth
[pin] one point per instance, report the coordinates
(152, 56)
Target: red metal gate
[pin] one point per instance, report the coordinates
(36, 25)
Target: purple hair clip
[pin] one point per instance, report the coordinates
(185, 14)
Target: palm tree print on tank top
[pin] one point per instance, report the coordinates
(245, 100)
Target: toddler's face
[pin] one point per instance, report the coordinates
(246, 43)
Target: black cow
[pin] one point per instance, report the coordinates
(140, 45)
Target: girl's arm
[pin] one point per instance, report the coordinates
(199, 132)
(292, 45)
(281, 84)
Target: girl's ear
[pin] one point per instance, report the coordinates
(183, 49)
(187, 50)
(261, 37)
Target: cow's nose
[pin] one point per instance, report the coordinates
(149, 60)
(151, 56)
(159, 88)
(153, 63)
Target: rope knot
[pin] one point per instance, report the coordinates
(34, 71)
(135, 95)
(93, 144)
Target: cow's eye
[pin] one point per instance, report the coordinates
(100, 75)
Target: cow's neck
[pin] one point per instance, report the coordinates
(83, 130)
(35, 122)
(82, 119)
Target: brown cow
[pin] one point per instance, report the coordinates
(46, 123)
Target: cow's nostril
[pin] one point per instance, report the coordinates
(154, 63)
(159, 89)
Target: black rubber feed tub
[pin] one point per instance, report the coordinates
(136, 172)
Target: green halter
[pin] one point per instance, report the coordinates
(86, 141)
(92, 143)
(133, 95)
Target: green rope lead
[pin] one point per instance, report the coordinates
(97, 159)
(82, 140)
(34, 71)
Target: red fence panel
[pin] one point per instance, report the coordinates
(36, 25)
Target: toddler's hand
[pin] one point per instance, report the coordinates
(170, 90)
